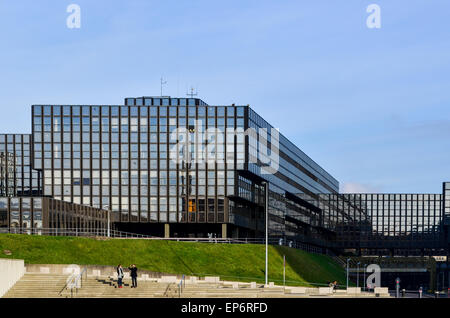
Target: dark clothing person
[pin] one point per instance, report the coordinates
(119, 276)
(133, 273)
(133, 282)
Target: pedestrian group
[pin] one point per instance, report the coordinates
(133, 273)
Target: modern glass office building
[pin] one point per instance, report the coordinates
(17, 176)
(40, 214)
(182, 168)
(121, 158)
(388, 224)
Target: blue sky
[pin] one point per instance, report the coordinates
(369, 105)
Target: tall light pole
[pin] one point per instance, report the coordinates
(109, 220)
(109, 223)
(364, 275)
(357, 277)
(266, 190)
(348, 259)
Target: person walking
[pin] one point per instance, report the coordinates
(133, 273)
(119, 275)
(332, 286)
(335, 286)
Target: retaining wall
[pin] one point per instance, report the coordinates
(11, 270)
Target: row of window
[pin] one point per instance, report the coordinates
(125, 111)
(163, 101)
(94, 123)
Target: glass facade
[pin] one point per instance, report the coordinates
(37, 213)
(393, 222)
(118, 157)
(7, 174)
(19, 179)
(446, 199)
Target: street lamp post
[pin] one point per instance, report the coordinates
(364, 276)
(266, 190)
(109, 223)
(357, 273)
(348, 259)
(106, 207)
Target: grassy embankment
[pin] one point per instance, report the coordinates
(230, 262)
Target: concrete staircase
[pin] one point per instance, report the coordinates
(50, 286)
(38, 286)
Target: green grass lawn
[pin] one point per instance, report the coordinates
(229, 261)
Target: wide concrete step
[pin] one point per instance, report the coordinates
(44, 276)
(43, 279)
(50, 286)
(38, 286)
(35, 289)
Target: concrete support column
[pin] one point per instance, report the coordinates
(166, 230)
(224, 230)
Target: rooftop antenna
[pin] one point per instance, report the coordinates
(192, 94)
(163, 82)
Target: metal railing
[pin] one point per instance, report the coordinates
(73, 232)
(75, 282)
(166, 292)
(181, 285)
(339, 261)
(417, 293)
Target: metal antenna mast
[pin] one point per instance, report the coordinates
(192, 94)
(163, 82)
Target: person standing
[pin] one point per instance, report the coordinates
(133, 273)
(119, 275)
